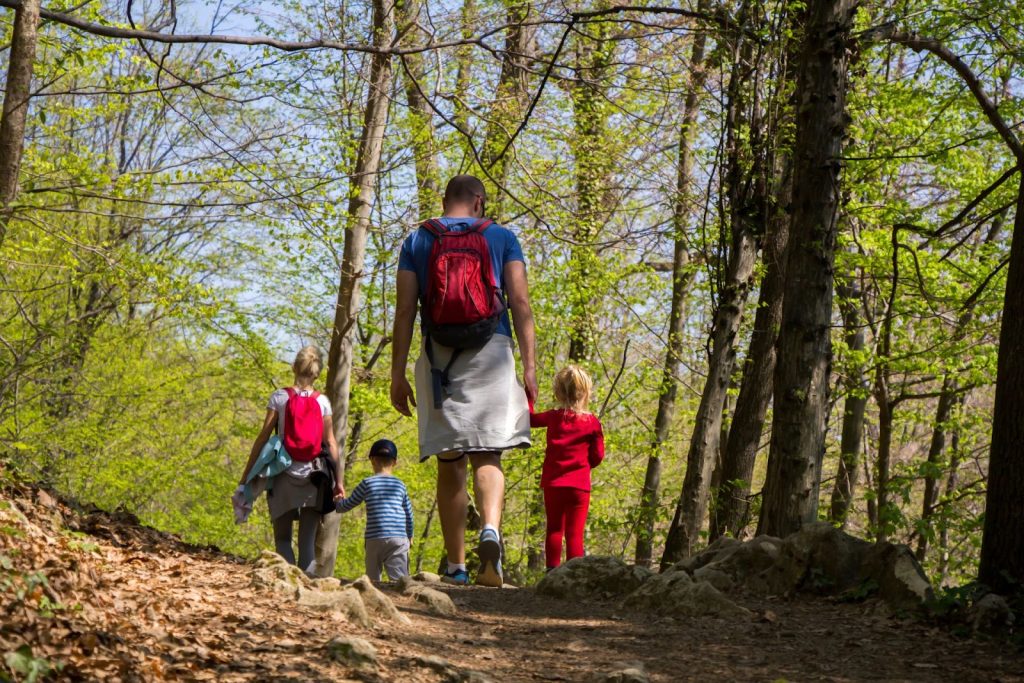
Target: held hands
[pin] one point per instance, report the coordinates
(402, 396)
(530, 384)
(339, 492)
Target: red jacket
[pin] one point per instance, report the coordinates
(575, 445)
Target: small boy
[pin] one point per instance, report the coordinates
(388, 514)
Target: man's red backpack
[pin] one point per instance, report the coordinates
(461, 304)
(303, 426)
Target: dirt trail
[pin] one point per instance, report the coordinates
(122, 602)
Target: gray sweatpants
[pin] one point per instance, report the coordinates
(391, 554)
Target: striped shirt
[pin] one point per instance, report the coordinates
(388, 508)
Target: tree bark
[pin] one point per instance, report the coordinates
(756, 385)
(804, 350)
(16, 101)
(854, 406)
(364, 188)
(1002, 545)
(943, 411)
(594, 53)
(421, 120)
(704, 443)
(507, 107)
(681, 280)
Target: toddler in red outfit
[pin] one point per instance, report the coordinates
(575, 446)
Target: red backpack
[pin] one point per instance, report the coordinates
(303, 426)
(461, 304)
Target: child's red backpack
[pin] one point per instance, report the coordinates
(303, 426)
(461, 304)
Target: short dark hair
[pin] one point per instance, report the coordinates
(463, 189)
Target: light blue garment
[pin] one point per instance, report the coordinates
(273, 459)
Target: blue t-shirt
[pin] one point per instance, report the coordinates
(501, 242)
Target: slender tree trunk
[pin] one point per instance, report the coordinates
(681, 279)
(16, 99)
(804, 350)
(952, 483)
(704, 443)
(421, 119)
(943, 411)
(364, 189)
(594, 53)
(854, 406)
(508, 106)
(756, 386)
(1002, 545)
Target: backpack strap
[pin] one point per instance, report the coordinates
(434, 227)
(439, 378)
(480, 225)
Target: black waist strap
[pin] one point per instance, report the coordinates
(439, 379)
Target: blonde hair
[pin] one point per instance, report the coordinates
(307, 364)
(572, 388)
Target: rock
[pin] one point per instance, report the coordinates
(715, 577)
(427, 577)
(438, 664)
(435, 601)
(629, 673)
(593, 577)
(823, 559)
(991, 614)
(901, 582)
(352, 651)
(377, 603)
(709, 554)
(674, 593)
(347, 602)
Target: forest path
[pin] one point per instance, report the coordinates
(124, 602)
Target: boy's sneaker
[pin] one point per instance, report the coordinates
(459, 577)
(489, 552)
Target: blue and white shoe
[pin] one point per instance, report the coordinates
(489, 552)
(459, 577)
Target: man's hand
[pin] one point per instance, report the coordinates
(402, 396)
(530, 384)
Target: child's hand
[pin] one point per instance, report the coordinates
(339, 492)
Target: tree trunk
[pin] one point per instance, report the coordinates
(364, 189)
(508, 106)
(421, 120)
(704, 443)
(756, 386)
(16, 100)
(854, 406)
(1002, 545)
(594, 53)
(944, 410)
(681, 280)
(952, 483)
(804, 350)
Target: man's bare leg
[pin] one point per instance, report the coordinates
(452, 501)
(489, 487)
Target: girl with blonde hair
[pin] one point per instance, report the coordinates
(301, 417)
(575, 446)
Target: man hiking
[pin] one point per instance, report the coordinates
(465, 274)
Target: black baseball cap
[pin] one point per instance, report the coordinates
(384, 448)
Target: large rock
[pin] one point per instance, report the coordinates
(675, 593)
(901, 582)
(820, 559)
(991, 614)
(593, 577)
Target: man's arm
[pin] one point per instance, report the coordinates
(401, 339)
(522, 320)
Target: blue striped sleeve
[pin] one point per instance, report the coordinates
(408, 516)
(357, 497)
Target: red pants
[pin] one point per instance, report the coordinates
(567, 516)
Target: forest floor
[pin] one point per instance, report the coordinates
(111, 600)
